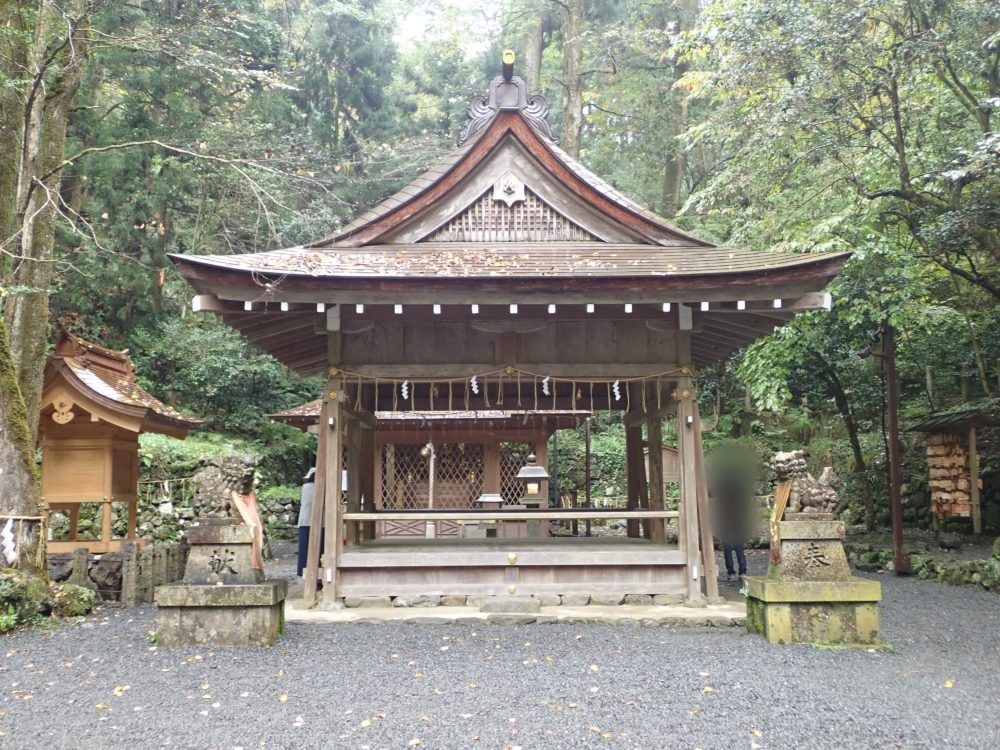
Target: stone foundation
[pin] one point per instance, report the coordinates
(842, 612)
(239, 615)
(223, 600)
(809, 594)
(544, 600)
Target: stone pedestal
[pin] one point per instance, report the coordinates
(809, 594)
(222, 600)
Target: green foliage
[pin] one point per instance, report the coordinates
(202, 366)
(284, 454)
(8, 619)
(23, 598)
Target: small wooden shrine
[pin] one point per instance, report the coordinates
(92, 412)
(476, 453)
(953, 462)
(509, 276)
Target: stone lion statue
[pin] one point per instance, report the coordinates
(218, 479)
(807, 494)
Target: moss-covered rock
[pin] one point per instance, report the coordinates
(25, 594)
(74, 601)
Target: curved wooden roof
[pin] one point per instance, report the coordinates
(508, 218)
(102, 381)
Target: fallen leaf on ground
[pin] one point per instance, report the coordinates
(949, 683)
(283, 698)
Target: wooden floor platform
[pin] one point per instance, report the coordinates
(554, 565)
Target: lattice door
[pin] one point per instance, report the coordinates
(458, 483)
(512, 458)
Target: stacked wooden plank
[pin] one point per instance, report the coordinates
(950, 481)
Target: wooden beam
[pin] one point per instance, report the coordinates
(354, 486)
(368, 480)
(977, 513)
(634, 465)
(689, 487)
(312, 569)
(562, 371)
(654, 432)
(704, 512)
(508, 515)
(334, 531)
(639, 417)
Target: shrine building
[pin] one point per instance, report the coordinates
(508, 277)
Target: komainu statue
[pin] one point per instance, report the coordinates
(216, 482)
(807, 494)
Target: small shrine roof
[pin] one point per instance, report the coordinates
(109, 377)
(958, 418)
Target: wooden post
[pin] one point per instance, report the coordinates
(491, 467)
(354, 487)
(368, 479)
(977, 514)
(633, 464)
(654, 432)
(689, 487)
(312, 571)
(542, 459)
(704, 511)
(334, 506)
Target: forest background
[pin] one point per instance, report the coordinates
(132, 129)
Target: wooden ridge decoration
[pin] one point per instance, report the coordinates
(508, 91)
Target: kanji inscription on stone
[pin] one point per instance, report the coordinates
(220, 564)
(815, 557)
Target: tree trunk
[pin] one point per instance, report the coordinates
(47, 111)
(531, 57)
(675, 168)
(19, 494)
(572, 76)
(33, 119)
(860, 468)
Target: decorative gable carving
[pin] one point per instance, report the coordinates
(509, 188)
(493, 219)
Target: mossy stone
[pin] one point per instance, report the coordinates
(74, 601)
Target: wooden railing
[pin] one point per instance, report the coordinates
(542, 514)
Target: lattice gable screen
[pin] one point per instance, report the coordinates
(528, 220)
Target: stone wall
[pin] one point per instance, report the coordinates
(129, 576)
(984, 574)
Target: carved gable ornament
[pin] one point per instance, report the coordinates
(508, 188)
(63, 413)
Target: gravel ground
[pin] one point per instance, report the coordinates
(99, 684)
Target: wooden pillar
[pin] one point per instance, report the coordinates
(491, 467)
(109, 471)
(368, 479)
(977, 514)
(687, 455)
(654, 431)
(541, 442)
(333, 493)
(704, 512)
(312, 570)
(354, 487)
(634, 465)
